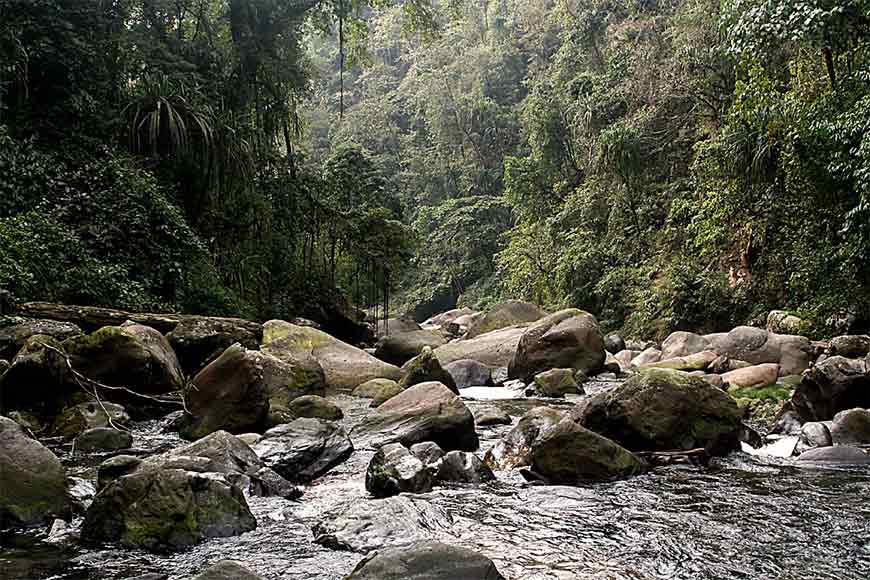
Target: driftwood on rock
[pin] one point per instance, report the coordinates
(91, 318)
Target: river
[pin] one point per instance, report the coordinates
(745, 517)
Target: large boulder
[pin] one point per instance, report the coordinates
(394, 470)
(378, 390)
(567, 339)
(397, 325)
(13, 337)
(424, 412)
(813, 434)
(782, 322)
(32, 480)
(570, 454)
(754, 377)
(229, 394)
(515, 449)
(850, 346)
(38, 380)
(613, 343)
(304, 449)
(397, 349)
(469, 373)
(344, 366)
(131, 355)
(362, 526)
(425, 368)
(757, 346)
(691, 362)
(851, 427)
(463, 467)
(682, 343)
(831, 386)
(838, 455)
(226, 570)
(198, 340)
(648, 356)
(289, 378)
(494, 349)
(662, 410)
(166, 509)
(428, 560)
(510, 313)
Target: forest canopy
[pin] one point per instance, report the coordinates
(666, 164)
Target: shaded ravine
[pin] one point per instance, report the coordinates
(744, 517)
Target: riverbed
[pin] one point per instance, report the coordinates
(746, 516)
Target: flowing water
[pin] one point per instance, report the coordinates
(745, 517)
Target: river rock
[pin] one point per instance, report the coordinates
(304, 449)
(647, 357)
(79, 418)
(226, 570)
(424, 412)
(166, 509)
(425, 368)
(397, 349)
(469, 373)
(115, 467)
(378, 390)
(570, 454)
(755, 377)
(448, 316)
(834, 385)
(782, 322)
(556, 383)
(510, 313)
(851, 427)
(37, 380)
(427, 452)
(681, 343)
(624, 358)
(314, 407)
(567, 339)
(379, 523)
(835, 455)
(463, 467)
(102, 439)
(427, 560)
(288, 378)
(814, 434)
(229, 394)
(699, 361)
(850, 346)
(344, 366)
(757, 346)
(394, 470)
(131, 355)
(664, 410)
(13, 337)
(198, 340)
(493, 349)
(515, 449)
(613, 343)
(397, 325)
(490, 415)
(724, 364)
(32, 480)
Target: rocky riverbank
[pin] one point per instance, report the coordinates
(104, 414)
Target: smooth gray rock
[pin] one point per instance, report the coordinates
(103, 439)
(834, 455)
(851, 427)
(304, 449)
(226, 570)
(394, 470)
(463, 467)
(469, 373)
(427, 560)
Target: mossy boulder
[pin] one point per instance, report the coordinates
(79, 418)
(13, 337)
(344, 366)
(570, 454)
(397, 349)
(515, 449)
(664, 410)
(425, 368)
(567, 339)
(166, 509)
(32, 480)
(314, 407)
(229, 394)
(37, 381)
(509, 313)
(394, 470)
(378, 390)
(198, 340)
(556, 383)
(494, 349)
(288, 378)
(102, 439)
(131, 355)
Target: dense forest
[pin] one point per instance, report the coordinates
(665, 164)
